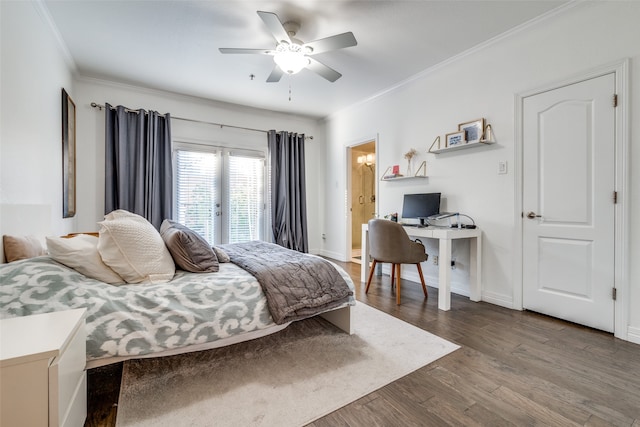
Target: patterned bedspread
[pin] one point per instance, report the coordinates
(136, 320)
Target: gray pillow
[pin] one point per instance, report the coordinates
(189, 250)
(222, 255)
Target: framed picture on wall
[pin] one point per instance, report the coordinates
(455, 138)
(472, 130)
(68, 156)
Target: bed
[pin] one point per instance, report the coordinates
(190, 312)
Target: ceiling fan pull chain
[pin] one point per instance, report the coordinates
(289, 91)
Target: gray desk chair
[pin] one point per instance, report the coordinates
(388, 242)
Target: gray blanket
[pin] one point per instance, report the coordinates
(296, 285)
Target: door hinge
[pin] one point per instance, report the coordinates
(615, 197)
(614, 294)
(615, 100)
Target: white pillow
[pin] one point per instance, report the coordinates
(81, 254)
(121, 213)
(134, 249)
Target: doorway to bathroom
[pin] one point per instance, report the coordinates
(363, 192)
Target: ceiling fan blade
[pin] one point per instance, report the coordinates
(235, 50)
(275, 75)
(338, 41)
(326, 72)
(275, 26)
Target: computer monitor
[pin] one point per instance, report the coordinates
(420, 206)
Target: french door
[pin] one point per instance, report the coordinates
(220, 192)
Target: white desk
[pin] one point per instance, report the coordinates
(444, 236)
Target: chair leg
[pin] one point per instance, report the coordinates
(398, 284)
(373, 267)
(424, 287)
(393, 275)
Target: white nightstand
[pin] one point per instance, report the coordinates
(42, 370)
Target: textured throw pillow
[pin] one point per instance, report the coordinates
(222, 255)
(134, 249)
(17, 248)
(121, 213)
(189, 250)
(81, 254)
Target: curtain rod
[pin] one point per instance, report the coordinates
(222, 125)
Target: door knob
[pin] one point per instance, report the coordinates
(532, 215)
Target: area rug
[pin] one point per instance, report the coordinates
(290, 378)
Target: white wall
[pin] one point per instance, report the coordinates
(90, 137)
(33, 71)
(483, 83)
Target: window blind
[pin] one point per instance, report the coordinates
(197, 191)
(220, 193)
(246, 201)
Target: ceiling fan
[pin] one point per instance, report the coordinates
(292, 55)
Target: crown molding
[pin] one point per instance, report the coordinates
(471, 51)
(44, 13)
(191, 99)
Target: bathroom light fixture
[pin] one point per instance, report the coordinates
(366, 159)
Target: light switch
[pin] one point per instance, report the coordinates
(502, 167)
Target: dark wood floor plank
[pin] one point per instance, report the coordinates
(383, 410)
(614, 365)
(587, 380)
(441, 407)
(465, 385)
(413, 388)
(513, 374)
(413, 413)
(332, 420)
(595, 421)
(517, 332)
(543, 415)
(487, 417)
(514, 368)
(103, 391)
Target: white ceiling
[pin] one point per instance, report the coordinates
(173, 45)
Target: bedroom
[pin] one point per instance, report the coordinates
(572, 42)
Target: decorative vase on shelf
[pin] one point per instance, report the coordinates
(409, 156)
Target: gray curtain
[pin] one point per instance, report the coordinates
(288, 194)
(138, 171)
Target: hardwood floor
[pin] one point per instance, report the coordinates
(513, 368)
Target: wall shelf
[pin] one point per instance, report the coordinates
(400, 178)
(485, 139)
(420, 173)
(460, 147)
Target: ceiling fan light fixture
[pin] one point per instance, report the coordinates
(290, 57)
(291, 54)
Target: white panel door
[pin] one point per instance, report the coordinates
(568, 185)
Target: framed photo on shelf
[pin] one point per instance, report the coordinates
(68, 156)
(472, 130)
(455, 138)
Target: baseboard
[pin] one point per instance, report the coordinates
(432, 281)
(633, 334)
(463, 289)
(498, 299)
(333, 255)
